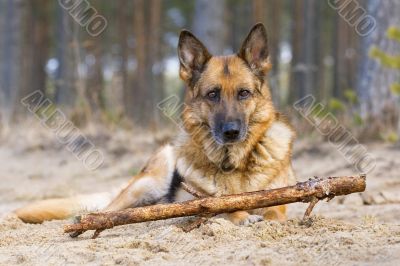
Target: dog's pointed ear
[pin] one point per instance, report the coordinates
(193, 56)
(254, 50)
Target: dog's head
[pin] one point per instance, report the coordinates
(227, 94)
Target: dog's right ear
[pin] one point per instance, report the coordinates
(193, 56)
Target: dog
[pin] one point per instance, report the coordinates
(232, 139)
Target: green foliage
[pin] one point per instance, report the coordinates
(350, 96)
(395, 88)
(386, 60)
(393, 33)
(358, 121)
(46, 111)
(336, 105)
(391, 61)
(392, 137)
(319, 111)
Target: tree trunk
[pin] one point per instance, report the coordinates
(345, 54)
(35, 50)
(209, 24)
(141, 101)
(65, 79)
(154, 67)
(11, 55)
(297, 88)
(41, 44)
(94, 81)
(239, 20)
(124, 54)
(326, 41)
(305, 45)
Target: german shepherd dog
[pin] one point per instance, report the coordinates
(232, 140)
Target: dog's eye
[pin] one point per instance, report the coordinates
(213, 95)
(243, 94)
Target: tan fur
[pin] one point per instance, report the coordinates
(275, 213)
(150, 180)
(262, 160)
(238, 217)
(53, 209)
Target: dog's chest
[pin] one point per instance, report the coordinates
(214, 181)
(263, 166)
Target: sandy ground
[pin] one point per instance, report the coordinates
(360, 229)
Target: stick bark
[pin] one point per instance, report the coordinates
(312, 191)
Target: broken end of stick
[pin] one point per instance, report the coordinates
(356, 184)
(363, 176)
(345, 185)
(88, 222)
(73, 229)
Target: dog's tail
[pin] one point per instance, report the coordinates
(63, 208)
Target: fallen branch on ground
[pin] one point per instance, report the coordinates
(311, 191)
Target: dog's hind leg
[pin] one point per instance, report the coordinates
(151, 185)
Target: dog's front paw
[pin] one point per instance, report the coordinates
(251, 219)
(244, 218)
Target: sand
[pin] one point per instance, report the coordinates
(360, 229)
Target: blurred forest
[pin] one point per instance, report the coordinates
(119, 76)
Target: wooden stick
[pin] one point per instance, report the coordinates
(312, 190)
(192, 191)
(196, 223)
(310, 207)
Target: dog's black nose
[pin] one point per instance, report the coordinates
(231, 130)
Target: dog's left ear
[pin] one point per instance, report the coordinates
(254, 50)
